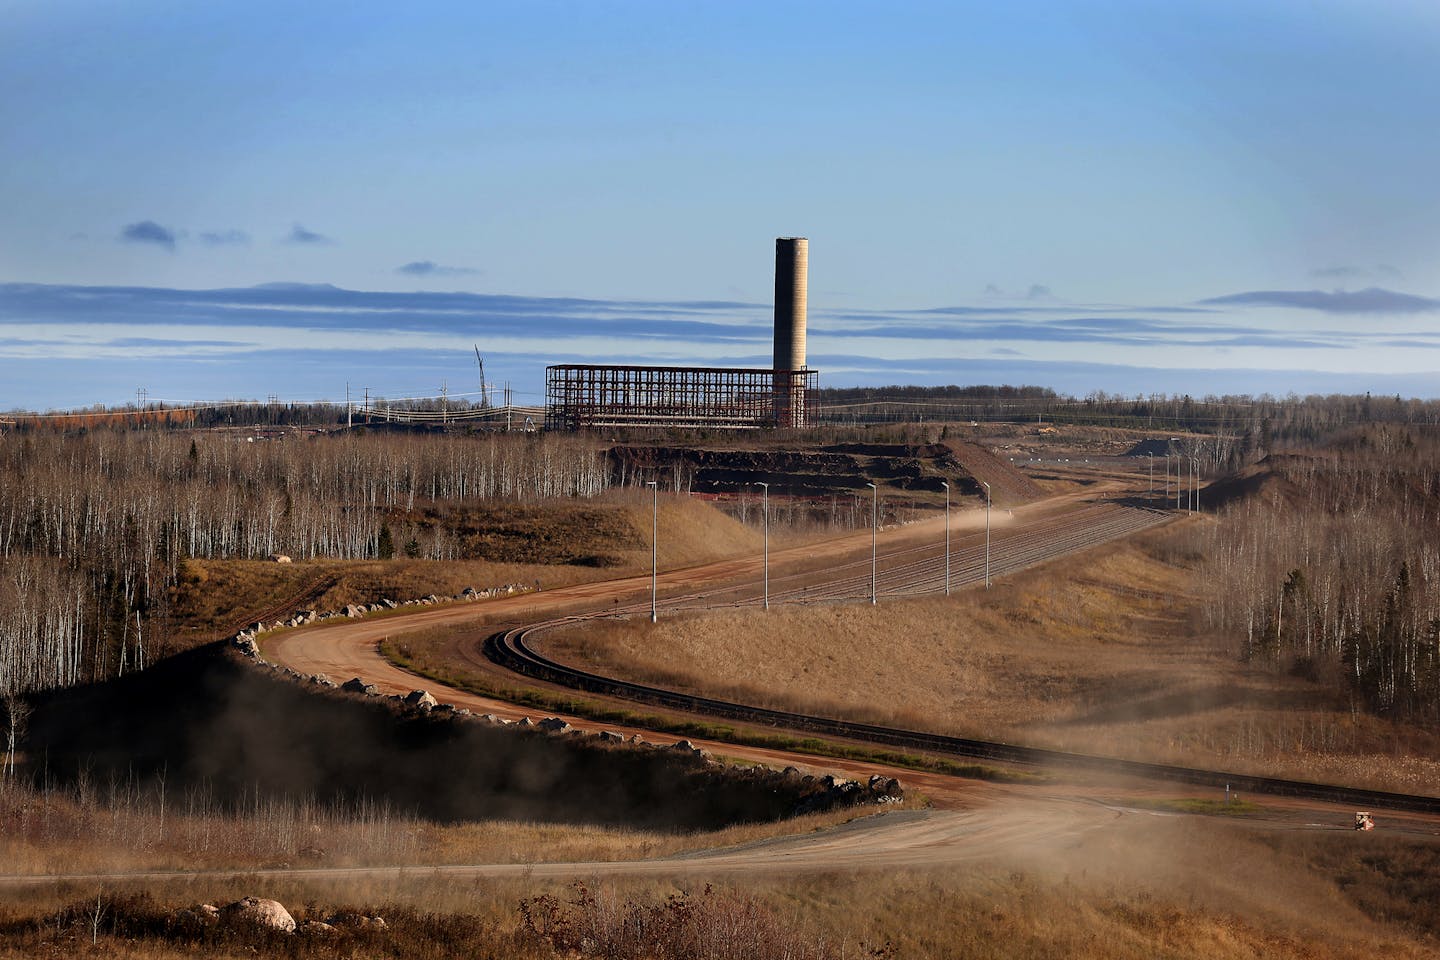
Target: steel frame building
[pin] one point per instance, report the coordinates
(584, 396)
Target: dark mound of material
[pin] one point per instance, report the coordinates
(1153, 447)
(824, 471)
(207, 718)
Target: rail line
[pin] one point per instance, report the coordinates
(918, 572)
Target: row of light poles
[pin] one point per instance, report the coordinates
(1189, 495)
(765, 509)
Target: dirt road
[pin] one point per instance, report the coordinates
(350, 648)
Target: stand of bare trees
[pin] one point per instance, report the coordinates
(1334, 568)
(94, 527)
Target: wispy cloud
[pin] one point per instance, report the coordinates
(1352, 272)
(224, 238)
(148, 231)
(1036, 291)
(1369, 300)
(1340, 273)
(295, 326)
(429, 268)
(299, 235)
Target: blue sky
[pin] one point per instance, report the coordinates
(1125, 196)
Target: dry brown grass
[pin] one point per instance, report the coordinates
(115, 830)
(1162, 886)
(217, 596)
(1097, 653)
(1171, 888)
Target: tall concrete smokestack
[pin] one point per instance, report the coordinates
(792, 268)
(792, 272)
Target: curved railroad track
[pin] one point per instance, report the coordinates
(909, 572)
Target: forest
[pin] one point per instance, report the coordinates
(95, 524)
(1330, 567)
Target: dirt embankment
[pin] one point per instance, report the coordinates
(205, 720)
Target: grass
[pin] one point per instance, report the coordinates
(1098, 654)
(1199, 805)
(554, 545)
(123, 827)
(990, 910)
(413, 652)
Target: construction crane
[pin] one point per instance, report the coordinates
(484, 393)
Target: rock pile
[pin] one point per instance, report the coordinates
(259, 913)
(302, 618)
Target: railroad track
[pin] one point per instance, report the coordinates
(911, 572)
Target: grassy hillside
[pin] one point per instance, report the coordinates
(1105, 652)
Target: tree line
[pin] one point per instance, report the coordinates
(1333, 568)
(94, 526)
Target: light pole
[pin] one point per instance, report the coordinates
(947, 536)
(654, 547)
(987, 533)
(765, 497)
(1178, 468)
(874, 537)
(1195, 477)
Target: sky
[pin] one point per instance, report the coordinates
(238, 200)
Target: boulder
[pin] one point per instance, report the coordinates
(389, 604)
(610, 736)
(279, 558)
(356, 685)
(258, 912)
(247, 647)
(353, 610)
(886, 787)
(358, 921)
(686, 748)
(421, 699)
(321, 680)
(553, 725)
(198, 917)
(315, 928)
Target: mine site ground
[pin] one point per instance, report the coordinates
(1087, 640)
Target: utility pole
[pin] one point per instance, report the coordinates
(347, 405)
(507, 406)
(947, 536)
(365, 410)
(765, 490)
(874, 537)
(987, 533)
(444, 404)
(654, 544)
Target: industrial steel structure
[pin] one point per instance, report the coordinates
(580, 396)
